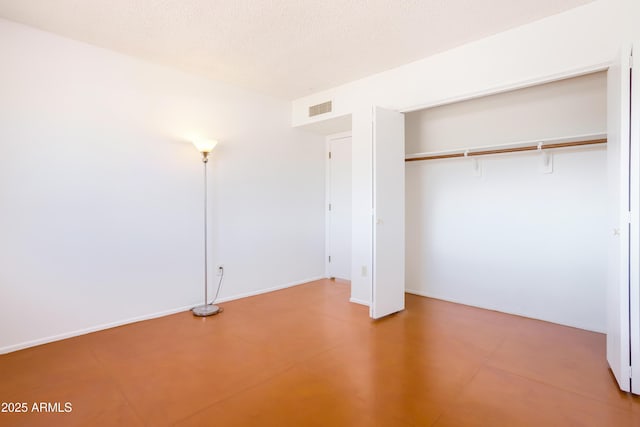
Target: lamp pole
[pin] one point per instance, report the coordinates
(206, 309)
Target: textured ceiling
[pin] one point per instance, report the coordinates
(285, 48)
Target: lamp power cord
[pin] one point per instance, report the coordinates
(221, 269)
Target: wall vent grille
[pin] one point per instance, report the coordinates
(318, 109)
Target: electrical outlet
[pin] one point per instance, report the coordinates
(363, 271)
(219, 270)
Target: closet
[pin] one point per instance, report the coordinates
(521, 232)
(526, 202)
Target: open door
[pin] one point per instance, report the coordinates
(634, 230)
(387, 294)
(618, 156)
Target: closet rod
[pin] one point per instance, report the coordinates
(509, 150)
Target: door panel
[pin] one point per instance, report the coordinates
(388, 210)
(618, 104)
(340, 213)
(634, 249)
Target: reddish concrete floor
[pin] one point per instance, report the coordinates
(305, 356)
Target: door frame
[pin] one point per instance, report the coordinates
(327, 198)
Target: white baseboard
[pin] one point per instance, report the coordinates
(78, 332)
(58, 337)
(359, 301)
(576, 325)
(419, 293)
(275, 288)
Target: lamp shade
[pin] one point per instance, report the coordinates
(204, 145)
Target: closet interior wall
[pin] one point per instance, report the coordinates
(503, 235)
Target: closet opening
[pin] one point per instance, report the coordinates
(506, 202)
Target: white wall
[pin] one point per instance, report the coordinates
(514, 239)
(568, 107)
(101, 196)
(585, 37)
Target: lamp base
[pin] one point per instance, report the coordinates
(205, 310)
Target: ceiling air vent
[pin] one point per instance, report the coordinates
(315, 110)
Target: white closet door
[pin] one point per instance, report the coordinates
(387, 294)
(340, 208)
(634, 250)
(618, 107)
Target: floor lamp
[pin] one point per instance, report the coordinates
(205, 146)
